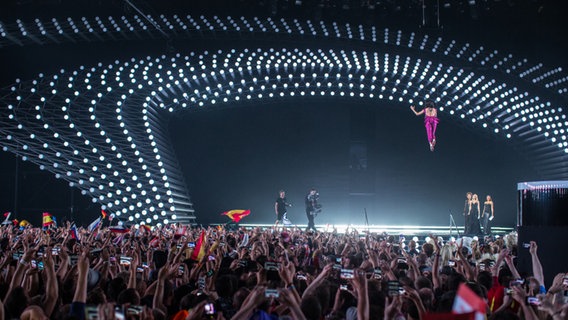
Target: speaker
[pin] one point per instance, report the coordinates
(551, 251)
(542, 203)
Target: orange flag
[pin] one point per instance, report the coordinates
(236, 215)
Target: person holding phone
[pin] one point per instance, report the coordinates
(430, 121)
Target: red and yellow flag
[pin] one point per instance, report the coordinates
(199, 250)
(104, 214)
(47, 219)
(236, 215)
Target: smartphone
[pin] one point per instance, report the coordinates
(482, 267)
(377, 274)
(508, 291)
(271, 293)
(565, 281)
(344, 287)
(180, 271)
(211, 258)
(270, 266)
(91, 313)
(533, 301)
(139, 269)
(55, 251)
(301, 277)
(201, 283)
(119, 313)
(209, 309)
(526, 245)
(34, 264)
(191, 244)
(113, 259)
(394, 288)
(516, 282)
(338, 260)
(40, 265)
(451, 263)
(134, 310)
(209, 273)
(125, 261)
(346, 274)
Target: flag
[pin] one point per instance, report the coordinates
(24, 223)
(236, 215)
(93, 225)
(48, 220)
(448, 316)
(146, 227)
(245, 240)
(7, 218)
(199, 250)
(467, 301)
(154, 243)
(180, 232)
(74, 233)
(103, 214)
(119, 229)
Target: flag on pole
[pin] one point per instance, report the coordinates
(48, 220)
(7, 218)
(199, 250)
(104, 214)
(74, 233)
(93, 225)
(236, 215)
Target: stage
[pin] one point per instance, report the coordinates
(406, 230)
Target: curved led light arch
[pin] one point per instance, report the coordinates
(101, 128)
(127, 27)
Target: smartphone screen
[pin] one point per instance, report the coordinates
(346, 274)
(394, 288)
(271, 293)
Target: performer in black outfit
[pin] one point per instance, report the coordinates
(474, 215)
(312, 208)
(280, 207)
(466, 215)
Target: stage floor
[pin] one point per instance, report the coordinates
(406, 230)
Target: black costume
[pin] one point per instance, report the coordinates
(473, 218)
(281, 206)
(312, 209)
(485, 218)
(467, 218)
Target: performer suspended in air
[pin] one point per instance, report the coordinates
(430, 121)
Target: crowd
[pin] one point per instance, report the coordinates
(177, 272)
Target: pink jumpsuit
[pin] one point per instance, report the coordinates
(430, 123)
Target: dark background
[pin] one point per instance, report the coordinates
(240, 157)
